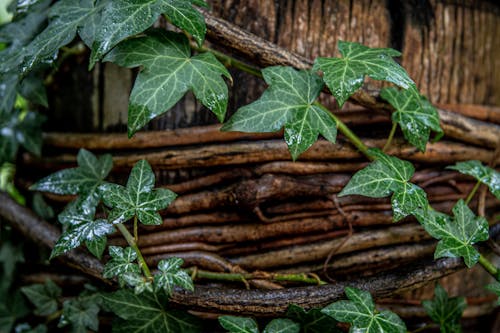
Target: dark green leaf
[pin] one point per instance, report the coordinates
(12, 308)
(238, 324)
(182, 14)
(445, 311)
(8, 92)
(147, 313)
(386, 175)
(168, 73)
(121, 262)
(281, 325)
(414, 114)
(45, 297)
(41, 208)
(81, 313)
(10, 255)
(84, 179)
(457, 236)
(26, 328)
(171, 275)
(97, 245)
(312, 321)
(488, 176)
(33, 89)
(138, 198)
(289, 101)
(344, 76)
(495, 287)
(140, 283)
(360, 312)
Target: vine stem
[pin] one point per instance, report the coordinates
(353, 138)
(391, 136)
(133, 244)
(472, 192)
(243, 277)
(136, 231)
(489, 267)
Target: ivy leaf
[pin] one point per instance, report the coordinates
(344, 76)
(19, 128)
(238, 324)
(281, 325)
(445, 311)
(171, 275)
(66, 18)
(10, 255)
(12, 308)
(45, 297)
(457, 236)
(414, 114)
(26, 328)
(289, 102)
(360, 312)
(8, 93)
(312, 321)
(495, 287)
(125, 18)
(97, 245)
(81, 313)
(138, 198)
(386, 175)
(169, 71)
(41, 207)
(147, 313)
(486, 175)
(33, 89)
(121, 262)
(138, 281)
(83, 179)
(81, 227)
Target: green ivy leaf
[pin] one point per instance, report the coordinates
(238, 324)
(147, 313)
(66, 18)
(97, 245)
(122, 261)
(360, 312)
(138, 198)
(281, 325)
(33, 89)
(45, 297)
(26, 328)
(81, 227)
(171, 275)
(138, 281)
(8, 93)
(386, 175)
(495, 287)
(445, 311)
(289, 101)
(81, 313)
(414, 114)
(457, 236)
(10, 255)
(12, 308)
(169, 71)
(19, 128)
(486, 175)
(125, 18)
(344, 76)
(41, 208)
(83, 179)
(312, 321)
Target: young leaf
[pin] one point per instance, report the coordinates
(445, 311)
(171, 275)
(121, 262)
(281, 325)
(414, 114)
(344, 76)
(97, 245)
(457, 236)
(238, 324)
(138, 198)
(289, 102)
(386, 175)
(147, 313)
(488, 176)
(83, 179)
(81, 227)
(45, 297)
(360, 312)
(138, 281)
(168, 73)
(495, 287)
(312, 321)
(19, 128)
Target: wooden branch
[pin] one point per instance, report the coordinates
(265, 53)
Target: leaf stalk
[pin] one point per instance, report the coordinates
(391, 136)
(472, 192)
(489, 267)
(133, 244)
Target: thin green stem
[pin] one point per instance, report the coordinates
(489, 267)
(133, 244)
(391, 136)
(355, 140)
(136, 229)
(472, 192)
